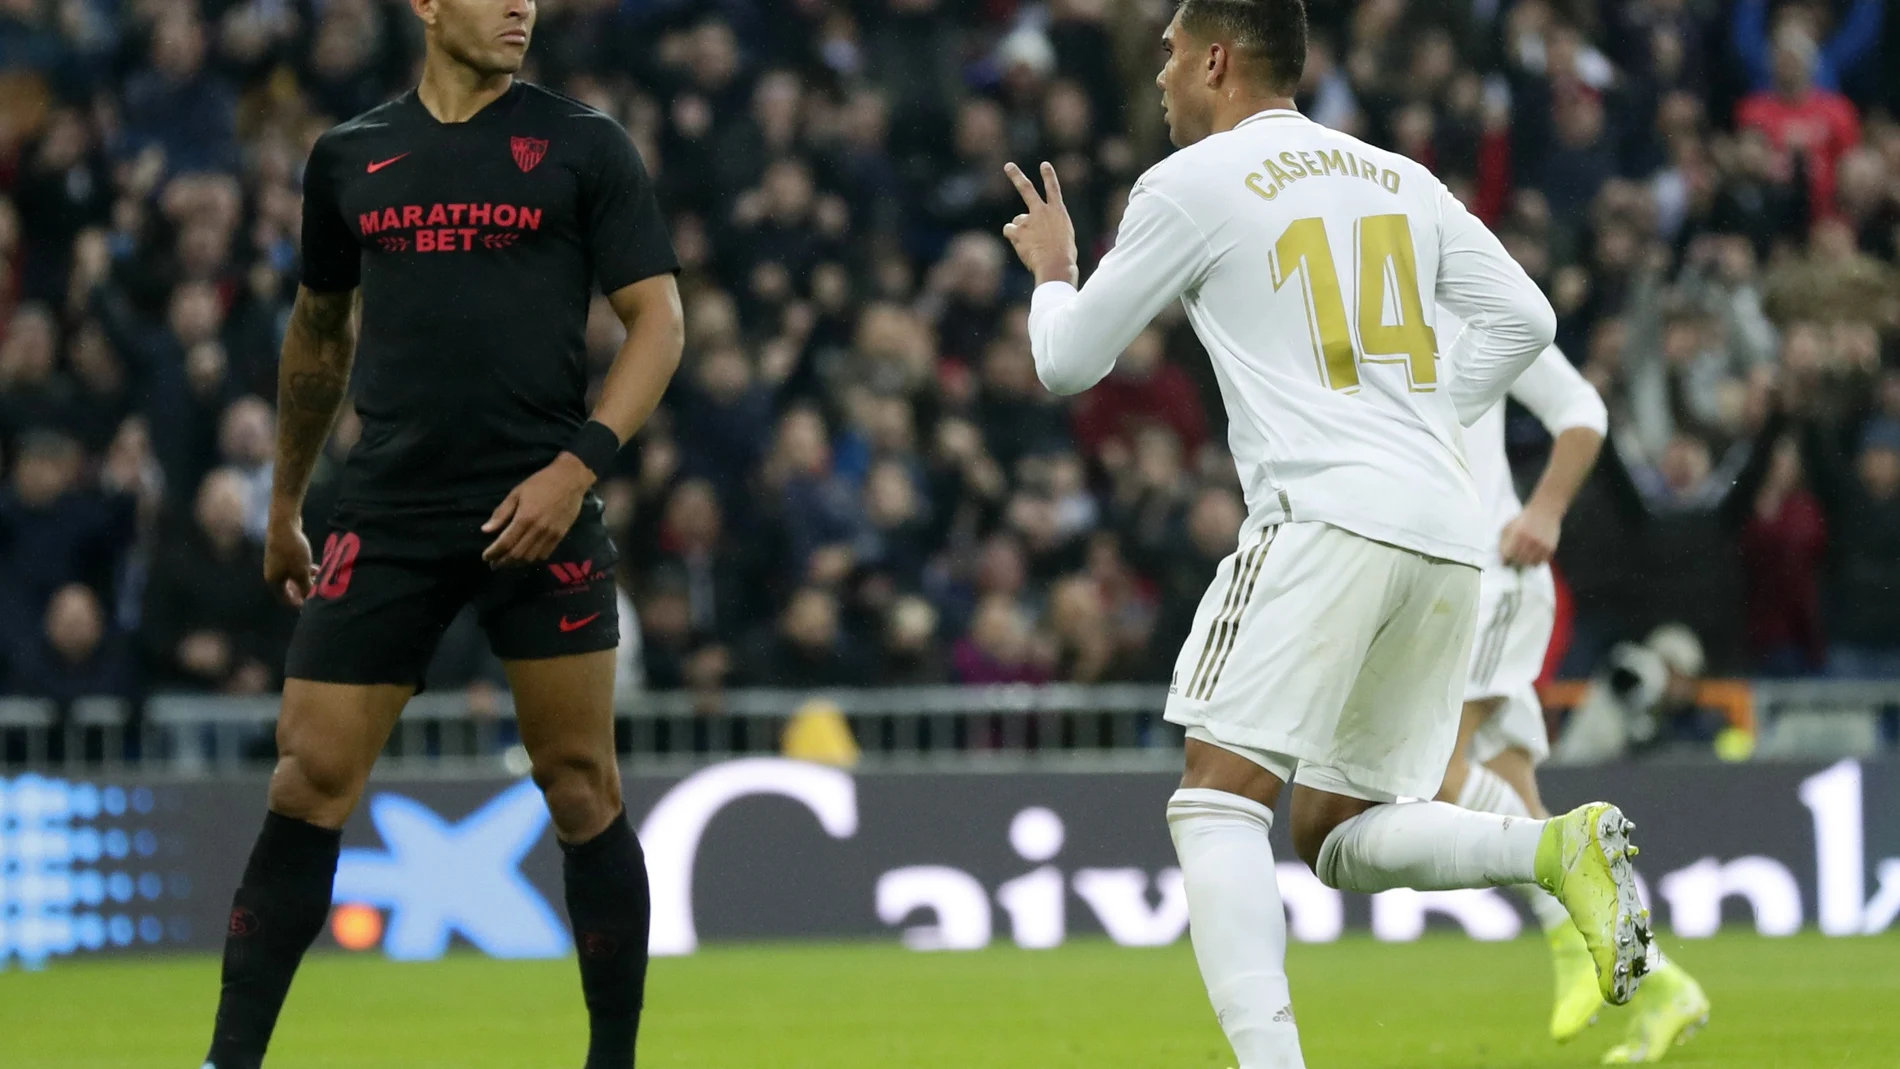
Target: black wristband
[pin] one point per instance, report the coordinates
(596, 445)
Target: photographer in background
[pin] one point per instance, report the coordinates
(1643, 701)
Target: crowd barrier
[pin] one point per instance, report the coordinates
(773, 848)
(198, 735)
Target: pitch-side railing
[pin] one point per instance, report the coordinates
(198, 734)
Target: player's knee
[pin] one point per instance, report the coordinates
(1216, 769)
(1314, 819)
(1308, 839)
(582, 791)
(312, 784)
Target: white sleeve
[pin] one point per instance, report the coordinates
(1559, 396)
(1507, 320)
(1077, 335)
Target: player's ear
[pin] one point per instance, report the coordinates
(425, 10)
(1219, 60)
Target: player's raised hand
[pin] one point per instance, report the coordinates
(1530, 539)
(1043, 236)
(536, 515)
(288, 570)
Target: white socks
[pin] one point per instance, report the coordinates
(1488, 792)
(1429, 846)
(1237, 922)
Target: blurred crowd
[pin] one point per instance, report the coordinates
(856, 478)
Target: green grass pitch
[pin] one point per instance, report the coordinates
(1441, 1003)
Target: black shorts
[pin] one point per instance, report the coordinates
(389, 584)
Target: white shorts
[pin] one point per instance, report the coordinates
(1516, 611)
(1332, 657)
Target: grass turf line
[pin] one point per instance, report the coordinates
(1441, 1003)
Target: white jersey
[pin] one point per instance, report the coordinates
(1560, 398)
(1311, 265)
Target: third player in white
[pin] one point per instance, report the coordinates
(1330, 652)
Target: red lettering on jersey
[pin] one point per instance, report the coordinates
(368, 223)
(438, 216)
(390, 219)
(504, 215)
(445, 239)
(425, 241)
(529, 219)
(478, 214)
(455, 213)
(412, 215)
(468, 237)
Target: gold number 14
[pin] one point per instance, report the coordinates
(1387, 264)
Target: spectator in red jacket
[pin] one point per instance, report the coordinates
(1817, 125)
(1784, 543)
(1143, 389)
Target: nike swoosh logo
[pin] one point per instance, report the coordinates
(575, 625)
(380, 164)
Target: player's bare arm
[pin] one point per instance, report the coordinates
(1531, 538)
(1044, 235)
(656, 332)
(313, 378)
(536, 515)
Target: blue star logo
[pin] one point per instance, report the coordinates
(438, 878)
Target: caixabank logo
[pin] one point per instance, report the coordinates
(434, 879)
(81, 870)
(769, 848)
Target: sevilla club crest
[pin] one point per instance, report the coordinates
(528, 151)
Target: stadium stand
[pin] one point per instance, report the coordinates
(856, 478)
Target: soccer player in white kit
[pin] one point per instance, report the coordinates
(1502, 738)
(1330, 650)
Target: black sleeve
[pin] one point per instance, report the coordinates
(332, 261)
(1826, 468)
(1739, 500)
(162, 626)
(1622, 487)
(626, 234)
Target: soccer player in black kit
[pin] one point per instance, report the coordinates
(451, 240)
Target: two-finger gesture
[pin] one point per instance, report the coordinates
(1043, 235)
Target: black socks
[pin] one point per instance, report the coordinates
(608, 905)
(278, 910)
(284, 899)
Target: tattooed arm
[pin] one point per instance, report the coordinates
(313, 377)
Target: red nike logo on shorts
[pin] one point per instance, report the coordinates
(380, 164)
(575, 625)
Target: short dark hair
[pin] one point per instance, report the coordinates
(1270, 30)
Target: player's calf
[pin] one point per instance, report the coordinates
(1427, 846)
(328, 737)
(565, 708)
(608, 900)
(1220, 821)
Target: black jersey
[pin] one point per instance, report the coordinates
(476, 245)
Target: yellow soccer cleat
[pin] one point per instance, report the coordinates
(1583, 859)
(1667, 1012)
(1578, 1001)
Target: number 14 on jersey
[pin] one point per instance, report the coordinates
(1388, 265)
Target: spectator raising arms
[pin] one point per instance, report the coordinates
(1708, 192)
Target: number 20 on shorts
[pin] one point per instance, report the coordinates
(1388, 264)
